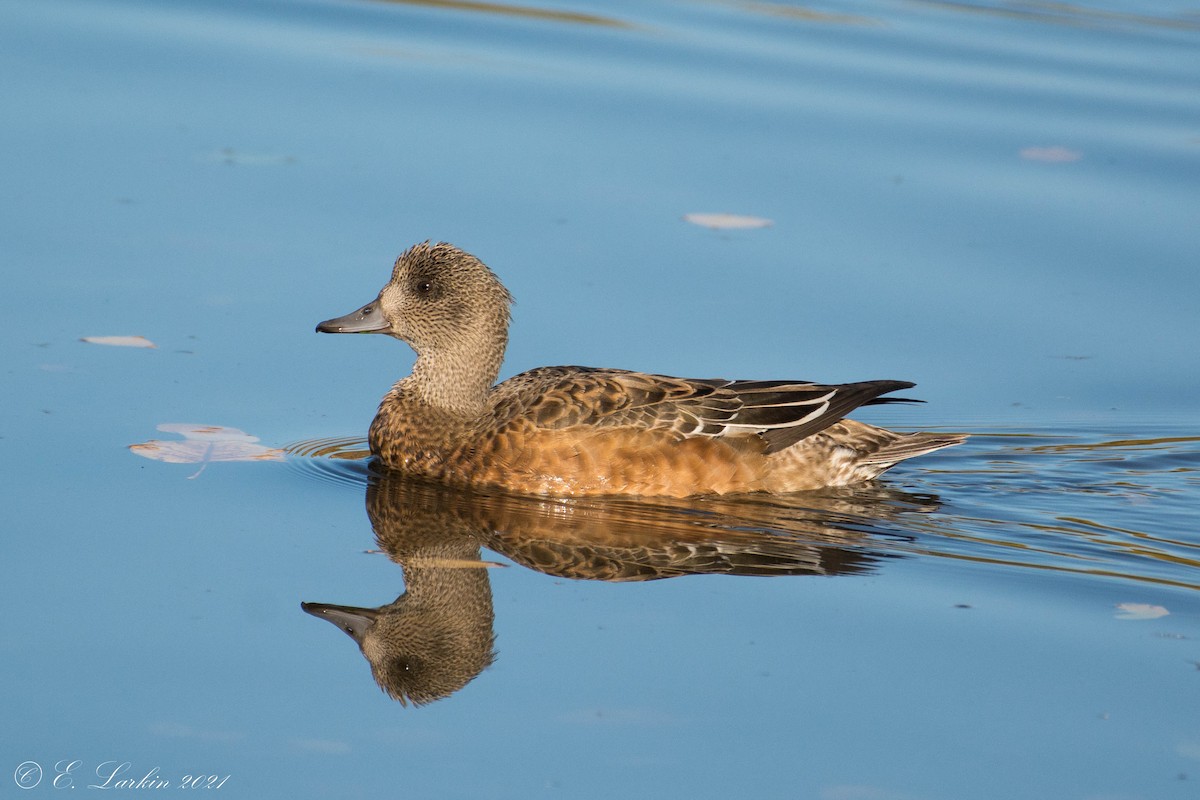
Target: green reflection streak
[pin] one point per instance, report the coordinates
(804, 14)
(1104, 573)
(1064, 14)
(517, 11)
(1087, 523)
(1162, 442)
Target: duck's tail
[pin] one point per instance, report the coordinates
(909, 445)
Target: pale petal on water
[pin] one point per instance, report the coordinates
(723, 221)
(119, 341)
(1056, 154)
(1140, 611)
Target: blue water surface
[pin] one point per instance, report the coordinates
(995, 200)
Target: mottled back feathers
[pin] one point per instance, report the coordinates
(780, 412)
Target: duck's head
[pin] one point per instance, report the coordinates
(417, 654)
(440, 300)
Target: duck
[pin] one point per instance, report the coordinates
(586, 431)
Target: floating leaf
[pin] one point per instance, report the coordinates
(1054, 154)
(120, 341)
(1140, 611)
(202, 444)
(726, 221)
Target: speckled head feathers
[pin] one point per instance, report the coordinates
(442, 298)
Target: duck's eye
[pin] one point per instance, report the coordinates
(424, 287)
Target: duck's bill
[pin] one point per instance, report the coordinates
(350, 619)
(368, 319)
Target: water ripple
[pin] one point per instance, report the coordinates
(343, 460)
(1079, 501)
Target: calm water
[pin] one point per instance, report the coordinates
(995, 200)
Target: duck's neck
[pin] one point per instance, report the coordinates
(458, 380)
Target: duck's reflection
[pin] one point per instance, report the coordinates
(437, 636)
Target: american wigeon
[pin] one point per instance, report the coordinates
(586, 431)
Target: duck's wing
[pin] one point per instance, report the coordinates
(660, 556)
(780, 412)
